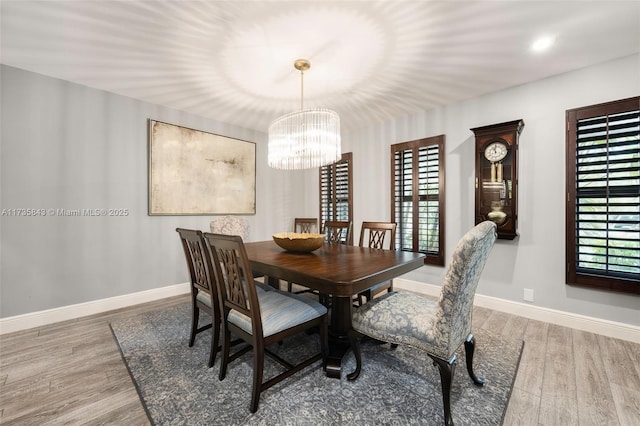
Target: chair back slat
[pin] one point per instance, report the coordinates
(376, 233)
(338, 232)
(305, 225)
(455, 305)
(197, 259)
(236, 287)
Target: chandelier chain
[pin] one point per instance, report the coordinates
(301, 90)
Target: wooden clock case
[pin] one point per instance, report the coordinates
(497, 182)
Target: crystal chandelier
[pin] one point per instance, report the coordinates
(305, 139)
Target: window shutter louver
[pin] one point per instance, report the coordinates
(336, 191)
(417, 199)
(603, 243)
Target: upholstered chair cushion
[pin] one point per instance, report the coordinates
(263, 287)
(401, 318)
(279, 312)
(204, 298)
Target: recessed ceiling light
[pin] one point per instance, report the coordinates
(542, 43)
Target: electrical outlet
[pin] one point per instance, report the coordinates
(528, 295)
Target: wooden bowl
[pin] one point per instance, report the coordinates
(299, 242)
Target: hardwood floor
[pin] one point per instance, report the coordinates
(72, 373)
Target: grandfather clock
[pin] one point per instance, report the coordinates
(497, 176)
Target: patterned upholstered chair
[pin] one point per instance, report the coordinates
(260, 318)
(437, 327)
(230, 225)
(204, 294)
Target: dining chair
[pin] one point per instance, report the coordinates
(377, 235)
(260, 318)
(303, 225)
(230, 225)
(438, 327)
(233, 225)
(338, 231)
(204, 294)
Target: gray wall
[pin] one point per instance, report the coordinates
(534, 260)
(66, 146)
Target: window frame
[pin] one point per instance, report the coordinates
(347, 158)
(414, 146)
(574, 276)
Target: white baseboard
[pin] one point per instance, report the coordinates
(49, 316)
(613, 329)
(581, 322)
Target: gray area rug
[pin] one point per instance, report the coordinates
(397, 386)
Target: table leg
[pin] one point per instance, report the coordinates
(338, 330)
(338, 334)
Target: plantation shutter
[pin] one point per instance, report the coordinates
(606, 201)
(418, 197)
(336, 191)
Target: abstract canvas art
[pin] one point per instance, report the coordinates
(192, 172)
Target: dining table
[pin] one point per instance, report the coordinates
(337, 270)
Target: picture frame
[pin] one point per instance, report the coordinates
(193, 172)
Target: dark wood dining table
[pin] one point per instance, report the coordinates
(334, 269)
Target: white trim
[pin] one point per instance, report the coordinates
(613, 329)
(581, 322)
(49, 316)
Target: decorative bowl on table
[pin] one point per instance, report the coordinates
(299, 242)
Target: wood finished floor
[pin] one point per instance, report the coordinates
(72, 373)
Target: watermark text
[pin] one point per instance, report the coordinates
(60, 212)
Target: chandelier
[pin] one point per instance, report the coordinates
(305, 139)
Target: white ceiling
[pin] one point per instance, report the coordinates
(233, 61)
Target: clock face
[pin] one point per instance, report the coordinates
(496, 151)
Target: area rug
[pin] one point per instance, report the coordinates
(398, 386)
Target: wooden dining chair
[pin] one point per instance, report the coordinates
(303, 225)
(382, 236)
(204, 294)
(437, 327)
(338, 232)
(260, 318)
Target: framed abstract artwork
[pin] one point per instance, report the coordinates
(192, 172)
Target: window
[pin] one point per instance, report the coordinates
(336, 195)
(417, 191)
(603, 196)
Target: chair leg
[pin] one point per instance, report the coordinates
(469, 349)
(354, 340)
(215, 337)
(258, 365)
(446, 368)
(325, 300)
(226, 346)
(195, 315)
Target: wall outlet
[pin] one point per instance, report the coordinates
(528, 295)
